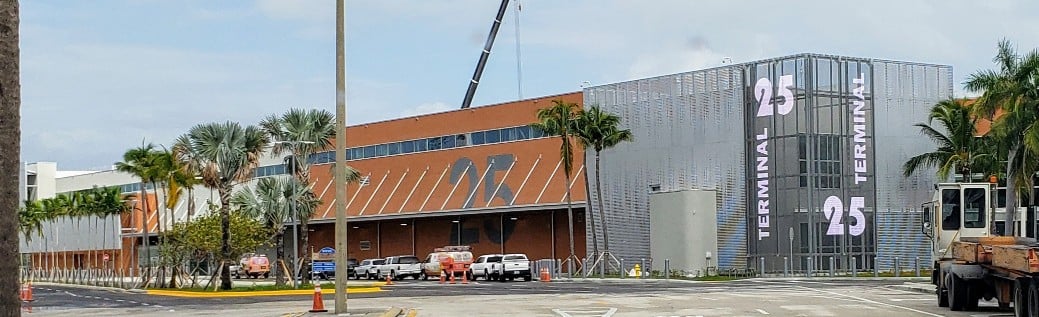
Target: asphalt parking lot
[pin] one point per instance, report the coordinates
(577, 298)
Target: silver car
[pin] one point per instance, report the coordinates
(368, 269)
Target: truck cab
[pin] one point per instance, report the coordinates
(972, 259)
(957, 210)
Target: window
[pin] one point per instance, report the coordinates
(447, 142)
(477, 138)
(493, 136)
(460, 140)
(369, 151)
(523, 132)
(394, 148)
(433, 143)
(974, 208)
(508, 134)
(537, 133)
(950, 209)
(381, 150)
(407, 146)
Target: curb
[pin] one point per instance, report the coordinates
(392, 312)
(353, 290)
(102, 288)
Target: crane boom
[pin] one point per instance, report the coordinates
(484, 55)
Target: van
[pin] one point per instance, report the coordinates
(461, 256)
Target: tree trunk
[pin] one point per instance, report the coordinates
(10, 138)
(304, 237)
(602, 210)
(163, 227)
(279, 241)
(146, 273)
(191, 203)
(1011, 209)
(570, 217)
(225, 236)
(589, 218)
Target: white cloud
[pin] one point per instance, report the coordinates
(427, 108)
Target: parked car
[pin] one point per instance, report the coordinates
(460, 256)
(368, 269)
(510, 267)
(400, 266)
(482, 266)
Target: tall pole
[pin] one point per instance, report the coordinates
(295, 231)
(340, 154)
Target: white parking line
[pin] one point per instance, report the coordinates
(585, 312)
(762, 311)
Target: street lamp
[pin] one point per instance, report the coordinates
(292, 215)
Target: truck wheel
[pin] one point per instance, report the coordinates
(1033, 297)
(941, 288)
(957, 293)
(1021, 298)
(424, 276)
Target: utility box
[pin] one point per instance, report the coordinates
(683, 227)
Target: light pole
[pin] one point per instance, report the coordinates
(292, 214)
(340, 166)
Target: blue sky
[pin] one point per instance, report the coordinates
(98, 77)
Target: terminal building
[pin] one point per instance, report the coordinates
(796, 159)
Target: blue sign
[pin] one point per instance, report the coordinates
(324, 266)
(327, 250)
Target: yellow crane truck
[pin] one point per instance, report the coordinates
(972, 263)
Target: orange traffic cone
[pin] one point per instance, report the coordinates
(442, 277)
(452, 273)
(545, 276)
(389, 281)
(319, 304)
(26, 293)
(465, 277)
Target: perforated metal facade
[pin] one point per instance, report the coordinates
(688, 131)
(777, 138)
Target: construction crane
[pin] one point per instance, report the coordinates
(484, 55)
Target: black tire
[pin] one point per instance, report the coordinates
(1021, 298)
(424, 276)
(958, 293)
(943, 295)
(266, 275)
(1033, 297)
(486, 275)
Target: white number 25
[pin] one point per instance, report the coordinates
(833, 209)
(763, 93)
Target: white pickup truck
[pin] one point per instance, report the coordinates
(482, 266)
(510, 267)
(400, 266)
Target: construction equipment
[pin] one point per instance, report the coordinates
(484, 55)
(970, 262)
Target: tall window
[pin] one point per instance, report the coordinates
(827, 160)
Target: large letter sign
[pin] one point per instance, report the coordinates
(768, 106)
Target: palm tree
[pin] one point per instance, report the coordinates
(1012, 91)
(271, 202)
(599, 130)
(557, 120)
(138, 162)
(960, 150)
(223, 154)
(301, 133)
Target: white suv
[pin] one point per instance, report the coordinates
(368, 268)
(482, 266)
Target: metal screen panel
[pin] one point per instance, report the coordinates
(688, 135)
